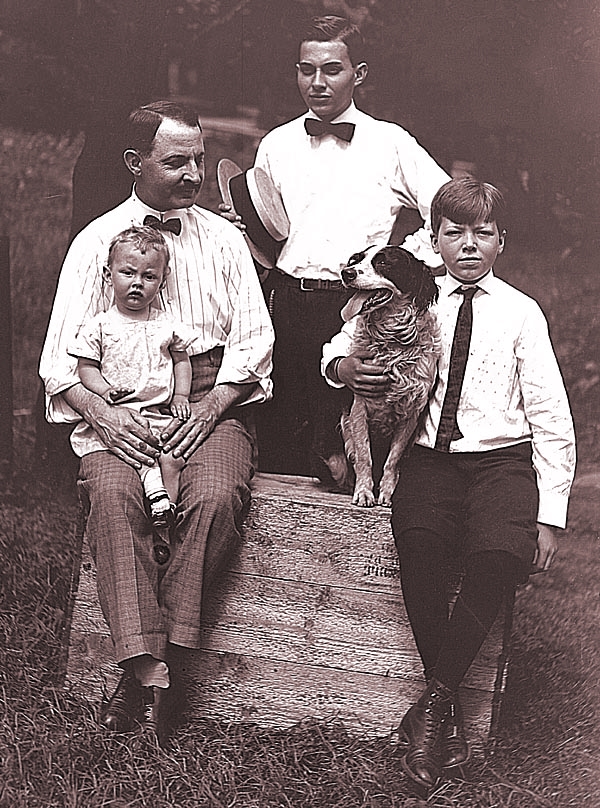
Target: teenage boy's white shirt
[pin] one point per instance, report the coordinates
(212, 288)
(342, 197)
(513, 389)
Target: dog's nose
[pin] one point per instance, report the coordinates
(348, 275)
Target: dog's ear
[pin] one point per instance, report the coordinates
(409, 274)
(396, 264)
(428, 290)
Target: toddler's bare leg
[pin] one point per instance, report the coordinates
(171, 469)
(152, 480)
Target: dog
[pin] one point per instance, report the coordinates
(394, 292)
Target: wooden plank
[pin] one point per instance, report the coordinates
(274, 693)
(304, 623)
(309, 621)
(282, 693)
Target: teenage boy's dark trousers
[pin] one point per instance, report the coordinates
(301, 423)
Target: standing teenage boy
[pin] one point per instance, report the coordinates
(489, 477)
(343, 177)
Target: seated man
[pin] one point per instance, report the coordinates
(214, 290)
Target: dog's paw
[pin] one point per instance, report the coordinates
(385, 500)
(363, 497)
(387, 486)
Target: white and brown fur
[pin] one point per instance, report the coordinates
(394, 293)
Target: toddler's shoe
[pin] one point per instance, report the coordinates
(163, 525)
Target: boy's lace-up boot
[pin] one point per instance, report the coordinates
(422, 726)
(454, 749)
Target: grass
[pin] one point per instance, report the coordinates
(52, 755)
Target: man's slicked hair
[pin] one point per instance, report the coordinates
(337, 29)
(466, 201)
(144, 122)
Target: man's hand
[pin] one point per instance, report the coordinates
(362, 375)
(122, 430)
(126, 433)
(183, 437)
(547, 547)
(227, 213)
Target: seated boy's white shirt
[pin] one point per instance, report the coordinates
(340, 345)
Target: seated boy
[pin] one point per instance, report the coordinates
(490, 474)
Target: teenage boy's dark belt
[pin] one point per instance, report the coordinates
(311, 284)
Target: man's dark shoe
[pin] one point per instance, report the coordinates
(123, 707)
(149, 718)
(422, 726)
(454, 749)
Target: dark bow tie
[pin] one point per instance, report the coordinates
(172, 225)
(316, 128)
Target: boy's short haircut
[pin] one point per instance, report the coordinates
(336, 29)
(142, 238)
(466, 201)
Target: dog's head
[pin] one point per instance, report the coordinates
(380, 273)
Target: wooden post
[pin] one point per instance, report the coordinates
(6, 378)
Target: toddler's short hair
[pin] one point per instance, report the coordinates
(142, 238)
(466, 201)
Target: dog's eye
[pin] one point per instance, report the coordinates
(356, 259)
(379, 260)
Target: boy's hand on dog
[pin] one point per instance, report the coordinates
(362, 375)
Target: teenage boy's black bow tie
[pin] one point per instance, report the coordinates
(171, 225)
(316, 128)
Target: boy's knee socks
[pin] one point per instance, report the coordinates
(425, 590)
(488, 576)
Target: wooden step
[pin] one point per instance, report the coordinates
(308, 622)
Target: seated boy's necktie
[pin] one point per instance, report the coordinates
(448, 428)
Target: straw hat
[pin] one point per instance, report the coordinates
(252, 196)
